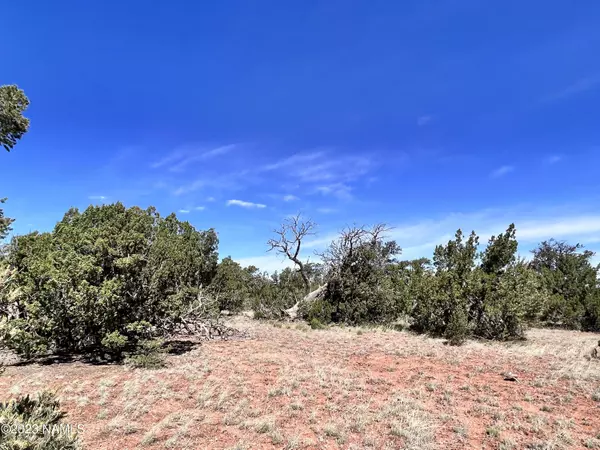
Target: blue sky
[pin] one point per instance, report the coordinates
(426, 115)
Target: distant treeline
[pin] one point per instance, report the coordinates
(110, 276)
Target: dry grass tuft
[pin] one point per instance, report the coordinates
(342, 387)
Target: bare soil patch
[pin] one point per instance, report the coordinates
(288, 386)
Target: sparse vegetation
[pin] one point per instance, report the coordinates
(36, 423)
(335, 389)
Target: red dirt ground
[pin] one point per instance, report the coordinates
(291, 387)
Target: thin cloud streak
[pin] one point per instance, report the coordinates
(424, 120)
(419, 238)
(185, 162)
(314, 167)
(326, 210)
(294, 159)
(244, 204)
(501, 171)
(553, 159)
(426, 234)
(579, 87)
(339, 190)
(179, 160)
(559, 228)
(311, 170)
(226, 181)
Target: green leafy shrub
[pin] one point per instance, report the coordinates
(265, 297)
(16, 335)
(443, 294)
(505, 303)
(35, 424)
(591, 317)
(149, 354)
(572, 282)
(316, 324)
(457, 330)
(320, 310)
(270, 296)
(115, 344)
(231, 285)
(493, 300)
(98, 272)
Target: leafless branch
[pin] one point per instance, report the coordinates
(200, 320)
(350, 239)
(289, 241)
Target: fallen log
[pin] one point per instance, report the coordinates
(318, 293)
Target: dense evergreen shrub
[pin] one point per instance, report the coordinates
(572, 283)
(100, 275)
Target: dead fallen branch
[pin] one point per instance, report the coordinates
(308, 299)
(202, 320)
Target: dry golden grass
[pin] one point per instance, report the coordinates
(296, 388)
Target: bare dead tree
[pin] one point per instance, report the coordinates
(342, 251)
(349, 240)
(289, 240)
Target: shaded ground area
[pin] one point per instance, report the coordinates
(295, 388)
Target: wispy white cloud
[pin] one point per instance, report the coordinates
(501, 171)
(184, 211)
(290, 198)
(174, 156)
(245, 204)
(191, 187)
(321, 167)
(298, 158)
(578, 87)
(97, 197)
(312, 170)
(553, 159)
(338, 190)
(560, 227)
(424, 120)
(180, 159)
(342, 169)
(200, 208)
(371, 180)
(321, 241)
(210, 199)
(326, 210)
(323, 171)
(223, 181)
(219, 150)
(419, 238)
(181, 165)
(193, 158)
